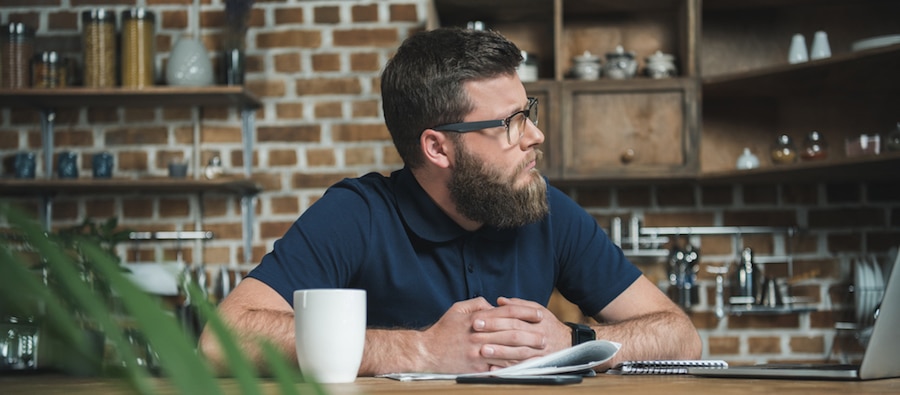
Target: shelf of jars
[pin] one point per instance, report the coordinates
(879, 167)
(83, 186)
(50, 98)
(866, 71)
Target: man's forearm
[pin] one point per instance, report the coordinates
(250, 327)
(661, 335)
(393, 351)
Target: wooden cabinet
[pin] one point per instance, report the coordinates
(603, 129)
(735, 88)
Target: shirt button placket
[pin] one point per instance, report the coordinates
(468, 258)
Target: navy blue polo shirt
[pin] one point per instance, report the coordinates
(386, 235)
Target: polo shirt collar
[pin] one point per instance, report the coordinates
(424, 218)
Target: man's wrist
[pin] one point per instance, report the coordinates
(581, 333)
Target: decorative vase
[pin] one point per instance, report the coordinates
(189, 64)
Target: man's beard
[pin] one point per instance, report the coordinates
(482, 193)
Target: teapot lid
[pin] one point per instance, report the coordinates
(587, 57)
(619, 53)
(660, 56)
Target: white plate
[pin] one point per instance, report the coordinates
(859, 283)
(875, 42)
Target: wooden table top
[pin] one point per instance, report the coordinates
(609, 384)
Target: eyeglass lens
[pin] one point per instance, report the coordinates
(516, 127)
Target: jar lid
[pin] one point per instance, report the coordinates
(138, 13)
(98, 15)
(48, 57)
(784, 139)
(527, 57)
(17, 29)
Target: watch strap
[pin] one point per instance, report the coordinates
(581, 333)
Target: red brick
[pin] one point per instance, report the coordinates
(760, 194)
(329, 110)
(137, 208)
(177, 19)
(266, 88)
(282, 157)
(634, 196)
(724, 345)
(365, 62)
(764, 345)
(170, 207)
(778, 218)
(99, 208)
(220, 134)
(291, 110)
(807, 344)
(849, 192)
(320, 157)
(846, 217)
(299, 133)
(364, 13)
(403, 13)
(675, 196)
(289, 39)
(318, 180)
(132, 160)
(139, 114)
(62, 20)
(225, 231)
(366, 38)
(287, 62)
(717, 195)
(137, 136)
(289, 15)
(326, 62)
(654, 219)
(763, 321)
(329, 86)
(284, 205)
(73, 138)
(806, 194)
(359, 156)
(365, 109)
(359, 132)
(327, 15)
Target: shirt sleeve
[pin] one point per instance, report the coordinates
(322, 247)
(592, 270)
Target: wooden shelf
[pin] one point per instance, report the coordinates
(156, 96)
(869, 168)
(869, 71)
(162, 185)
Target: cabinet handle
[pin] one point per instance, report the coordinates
(627, 156)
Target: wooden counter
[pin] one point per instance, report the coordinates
(602, 384)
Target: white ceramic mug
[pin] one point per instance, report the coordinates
(330, 332)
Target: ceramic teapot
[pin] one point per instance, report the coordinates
(620, 64)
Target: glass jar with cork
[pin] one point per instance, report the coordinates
(98, 43)
(16, 52)
(138, 49)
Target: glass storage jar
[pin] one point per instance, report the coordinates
(814, 147)
(784, 151)
(48, 70)
(16, 53)
(138, 50)
(98, 43)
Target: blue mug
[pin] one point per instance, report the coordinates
(103, 165)
(25, 165)
(67, 165)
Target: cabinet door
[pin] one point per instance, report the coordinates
(609, 132)
(547, 93)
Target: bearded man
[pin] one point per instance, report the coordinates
(461, 249)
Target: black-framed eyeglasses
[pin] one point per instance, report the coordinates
(516, 120)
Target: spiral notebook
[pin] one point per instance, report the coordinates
(666, 366)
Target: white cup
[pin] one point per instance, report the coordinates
(330, 332)
(797, 52)
(820, 48)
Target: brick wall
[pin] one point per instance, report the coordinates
(315, 65)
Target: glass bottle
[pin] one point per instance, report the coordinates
(16, 53)
(98, 43)
(814, 147)
(138, 50)
(784, 151)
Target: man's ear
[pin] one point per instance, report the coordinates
(436, 147)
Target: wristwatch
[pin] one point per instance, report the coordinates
(581, 333)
